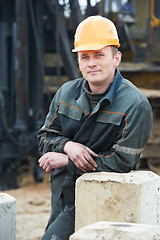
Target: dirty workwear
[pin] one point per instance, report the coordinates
(117, 129)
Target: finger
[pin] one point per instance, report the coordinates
(89, 166)
(44, 167)
(44, 163)
(49, 169)
(85, 164)
(91, 152)
(80, 166)
(90, 160)
(44, 156)
(41, 158)
(41, 163)
(82, 169)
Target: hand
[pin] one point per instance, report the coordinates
(51, 160)
(81, 156)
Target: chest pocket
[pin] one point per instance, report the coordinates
(70, 111)
(111, 118)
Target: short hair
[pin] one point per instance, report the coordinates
(114, 50)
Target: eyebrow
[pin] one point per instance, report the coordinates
(98, 52)
(85, 54)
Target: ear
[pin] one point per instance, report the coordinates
(78, 59)
(80, 67)
(117, 59)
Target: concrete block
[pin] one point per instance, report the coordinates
(132, 197)
(117, 231)
(7, 217)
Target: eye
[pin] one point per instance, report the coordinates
(83, 57)
(98, 54)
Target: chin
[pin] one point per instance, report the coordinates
(94, 81)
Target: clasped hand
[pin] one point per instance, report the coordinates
(79, 154)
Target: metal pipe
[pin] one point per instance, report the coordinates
(20, 66)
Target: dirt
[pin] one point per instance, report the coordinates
(32, 208)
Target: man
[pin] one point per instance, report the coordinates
(100, 122)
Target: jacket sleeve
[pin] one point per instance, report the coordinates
(50, 135)
(130, 141)
(133, 134)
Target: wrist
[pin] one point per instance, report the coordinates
(65, 147)
(66, 160)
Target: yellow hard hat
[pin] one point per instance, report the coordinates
(94, 33)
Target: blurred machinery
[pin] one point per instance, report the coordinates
(21, 87)
(29, 29)
(36, 38)
(138, 24)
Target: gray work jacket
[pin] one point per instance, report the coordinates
(117, 129)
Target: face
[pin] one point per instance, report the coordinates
(98, 67)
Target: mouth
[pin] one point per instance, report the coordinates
(93, 72)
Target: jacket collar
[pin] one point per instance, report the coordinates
(110, 94)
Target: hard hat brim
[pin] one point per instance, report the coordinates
(92, 47)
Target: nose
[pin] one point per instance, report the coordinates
(92, 63)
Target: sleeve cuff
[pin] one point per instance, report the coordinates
(73, 169)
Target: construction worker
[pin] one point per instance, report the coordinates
(100, 122)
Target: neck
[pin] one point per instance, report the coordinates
(95, 88)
